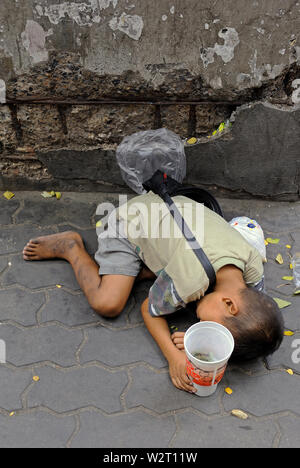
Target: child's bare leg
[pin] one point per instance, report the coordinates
(106, 294)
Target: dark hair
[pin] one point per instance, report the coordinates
(258, 327)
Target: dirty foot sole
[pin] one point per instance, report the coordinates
(52, 246)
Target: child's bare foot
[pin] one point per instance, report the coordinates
(52, 246)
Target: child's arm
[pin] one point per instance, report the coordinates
(158, 328)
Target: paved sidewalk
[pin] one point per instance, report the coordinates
(104, 383)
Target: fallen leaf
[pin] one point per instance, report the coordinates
(288, 333)
(297, 292)
(35, 378)
(12, 413)
(58, 195)
(58, 286)
(272, 241)
(98, 223)
(192, 141)
(8, 195)
(221, 127)
(228, 390)
(291, 266)
(281, 303)
(288, 278)
(266, 242)
(279, 259)
(288, 246)
(239, 414)
(289, 371)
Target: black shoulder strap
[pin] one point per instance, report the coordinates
(159, 185)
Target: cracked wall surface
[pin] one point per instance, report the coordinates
(78, 76)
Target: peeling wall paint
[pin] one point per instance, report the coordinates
(260, 73)
(296, 93)
(225, 51)
(2, 92)
(34, 41)
(83, 14)
(132, 25)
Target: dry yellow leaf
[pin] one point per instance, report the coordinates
(288, 333)
(291, 266)
(228, 390)
(279, 259)
(288, 246)
(58, 195)
(58, 286)
(266, 242)
(35, 378)
(289, 371)
(8, 195)
(192, 141)
(99, 223)
(239, 414)
(272, 241)
(288, 278)
(281, 303)
(12, 413)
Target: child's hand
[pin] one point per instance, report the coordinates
(177, 339)
(177, 370)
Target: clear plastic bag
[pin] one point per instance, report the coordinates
(140, 155)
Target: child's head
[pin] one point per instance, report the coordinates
(253, 318)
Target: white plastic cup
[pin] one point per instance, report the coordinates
(214, 340)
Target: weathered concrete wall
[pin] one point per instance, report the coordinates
(59, 60)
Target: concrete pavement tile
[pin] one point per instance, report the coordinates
(7, 209)
(3, 263)
(274, 283)
(74, 311)
(274, 217)
(288, 355)
(137, 429)
(20, 306)
(296, 238)
(262, 395)
(290, 314)
(40, 273)
(274, 249)
(289, 427)
(33, 345)
(71, 310)
(13, 384)
(35, 430)
(121, 347)
(14, 238)
(156, 392)
(224, 432)
(72, 389)
(50, 211)
(251, 367)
